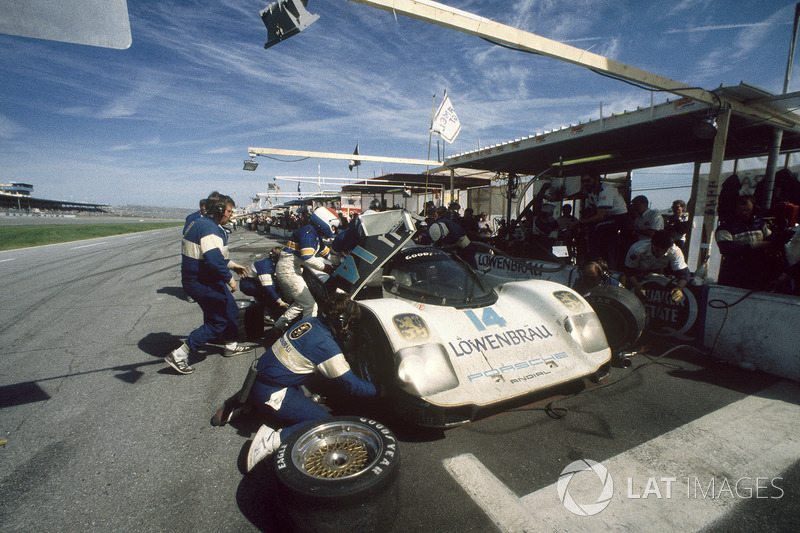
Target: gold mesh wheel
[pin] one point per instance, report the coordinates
(337, 459)
(337, 449)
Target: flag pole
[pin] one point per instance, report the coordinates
(430, 139)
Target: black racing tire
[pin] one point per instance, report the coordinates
(254, 321)
(621, 313)
(371, 354)
(339, 474)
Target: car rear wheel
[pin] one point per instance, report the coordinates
(621, 313)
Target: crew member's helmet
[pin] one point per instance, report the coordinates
(438, 231)
(376, 205)
(324, 219)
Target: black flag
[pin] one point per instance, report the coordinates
(354, 162)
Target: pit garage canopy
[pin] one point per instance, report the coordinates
(659, 135)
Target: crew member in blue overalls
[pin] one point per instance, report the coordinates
(201, 212)
(206, 277)
(262, 287)
(450, 236)
(304, 248)
(309, 347)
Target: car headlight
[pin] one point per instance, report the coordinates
(425, 370)
(587, 331)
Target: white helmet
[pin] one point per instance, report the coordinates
(325, 219)
(438, 231)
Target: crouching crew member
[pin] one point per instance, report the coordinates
(593, 274)
(206, 277)
(262, 287)
(310, 347)
(654, 256)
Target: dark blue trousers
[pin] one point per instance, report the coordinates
(296, 409)
(220, 313)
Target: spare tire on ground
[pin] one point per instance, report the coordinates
(621, 313)
(337, 474)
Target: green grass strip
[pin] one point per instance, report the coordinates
(12, 237)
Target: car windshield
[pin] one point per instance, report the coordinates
(431, 276)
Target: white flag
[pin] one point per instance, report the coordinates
(446, 122)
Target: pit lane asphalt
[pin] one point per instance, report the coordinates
(102, 435)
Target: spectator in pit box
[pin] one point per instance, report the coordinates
(469, 223)
(752, 255)
(484, 227)
(646, 221)
(608, 216)
(678, 224)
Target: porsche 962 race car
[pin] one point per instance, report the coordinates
(447, 341)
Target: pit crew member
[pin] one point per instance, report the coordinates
(309, 347)
(262, 287)
(448, 235)
(206, 277)
(654, 256)
(304, 248)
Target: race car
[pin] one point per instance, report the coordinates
(449, 342)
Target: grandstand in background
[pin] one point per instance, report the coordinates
(19, 196)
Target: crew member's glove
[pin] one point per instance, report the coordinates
(328, 269)
(282, 304)
(676, 295)
(232, 285)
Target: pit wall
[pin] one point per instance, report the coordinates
(759, 331)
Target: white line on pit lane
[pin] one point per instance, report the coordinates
(754, 438)
(88, 245)
(9, 259)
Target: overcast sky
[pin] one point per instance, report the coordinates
(170, 119)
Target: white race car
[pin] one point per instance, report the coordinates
(449, 342)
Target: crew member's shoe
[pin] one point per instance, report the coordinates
(181, 365)
(264, 444)
(238, 350)
(223, 415)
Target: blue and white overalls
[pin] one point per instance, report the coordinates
(307, 348)
(204, 276)
(303, 248)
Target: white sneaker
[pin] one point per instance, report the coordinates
(266, 441)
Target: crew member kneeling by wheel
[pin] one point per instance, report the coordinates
(309, 347)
